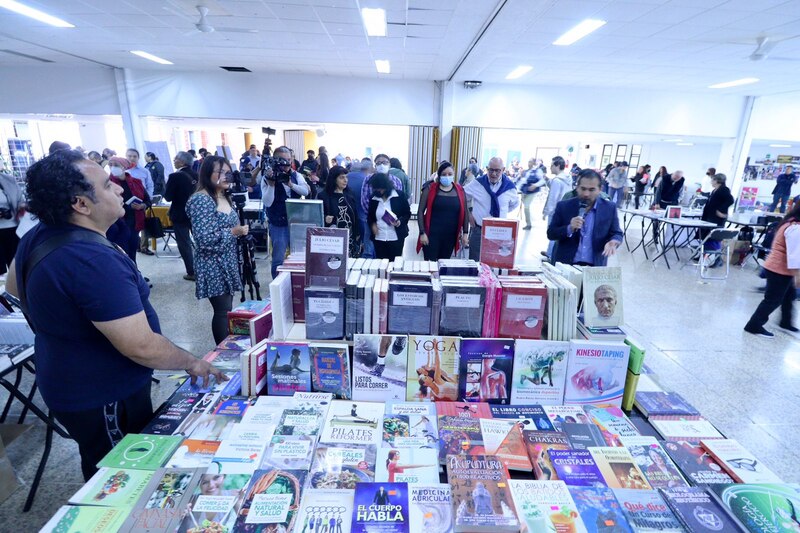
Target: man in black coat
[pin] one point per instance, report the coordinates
(180, 186)
(716, 210)
(671, 189)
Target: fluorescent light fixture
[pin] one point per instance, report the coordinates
(374, 21)
(383, 66)
(684, 144)
(41, 16)
(579, 32)
(519, 72)
(734, 83)
(780, 145)
(672, 140)
(151, 57)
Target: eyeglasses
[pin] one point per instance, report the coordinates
(228, 174)
(490, 169)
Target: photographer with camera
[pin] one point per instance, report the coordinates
(11, 202)
(279, 183)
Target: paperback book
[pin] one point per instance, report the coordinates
(409, 310)
(289, 452)
(430, 509)
(271, 501)
(539, 444)
(410, 425)
(663, 403)
(113, 487)
(215, 503)
(583, 436)
(602, 297)
(141, 452)
(691, 428)
(653, 461)
(696, 464)
(545, 506)
(407, 465)
(226, 360)
(485, 370)
(503, 439)
(462, 308)
(353, 423)
(288, 368)
(739, 463)
(531, 417)
(232, 406)
(380, 507)
(171, 416)
(498, 242)
(379, 367)
(237, 457)
(647, 512)
(599, 509)
(341, 466)
(612, 422)
(619, 469)
(480, 496)
(540, 372)
(698, 511)
(576, 468)
(325, 510)
(236, 343)
(432, 372)
(200, 426)
(460, 428)
(163, 501)
(330, 369)
(596, 373)
(193, 454)
(762, 507)
(77, 519)
(565, 414)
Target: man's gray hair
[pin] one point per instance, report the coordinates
(720, 178)
(185, 158)
(605, 288)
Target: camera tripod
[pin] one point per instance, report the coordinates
(246, 248)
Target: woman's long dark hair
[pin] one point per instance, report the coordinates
(207, 169)
(791, 216)
(662, 171)
(392, 455)
(330, 185)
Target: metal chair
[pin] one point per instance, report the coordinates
(725, 236)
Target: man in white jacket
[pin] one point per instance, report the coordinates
(560, 185)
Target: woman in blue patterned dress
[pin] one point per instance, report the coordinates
(215, 226)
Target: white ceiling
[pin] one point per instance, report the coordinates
(682, 45)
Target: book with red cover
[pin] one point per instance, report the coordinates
(239, 317)
(326, 257)
(260, 326)
(460, 428)
(499, 242)
(254, 369)
(522, 310)
(298, 295)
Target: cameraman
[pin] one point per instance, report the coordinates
(278, 184)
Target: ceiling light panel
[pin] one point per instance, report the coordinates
(151, 57)
(519, 72)
(734, 83)
(35, 14)
(383, 66)
(580, 31)
(374, 21)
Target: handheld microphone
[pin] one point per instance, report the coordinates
(582, 209)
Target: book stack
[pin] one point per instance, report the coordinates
(295, 265)
(562, 304)
(610, 333)
(303, 214)
(326, 276)
(458, 267)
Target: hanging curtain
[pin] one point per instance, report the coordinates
(466, 142)
(423, 143)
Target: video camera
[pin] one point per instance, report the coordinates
(281, 167)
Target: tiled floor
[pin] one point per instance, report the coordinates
(748, 387)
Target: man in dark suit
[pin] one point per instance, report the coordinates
(585, 228)
(180, 186)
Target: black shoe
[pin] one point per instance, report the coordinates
(717, 263)
(789, 327)
(398, 346)
(760, 332)
(544, 254)
(189, 277)
(527, 227)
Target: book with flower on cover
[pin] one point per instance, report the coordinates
(480, 495)
(545, 506)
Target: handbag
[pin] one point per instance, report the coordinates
(153, 226)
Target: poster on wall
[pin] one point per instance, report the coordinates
(747, 198)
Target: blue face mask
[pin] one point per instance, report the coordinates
(446, 181)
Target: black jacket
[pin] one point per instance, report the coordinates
(400, 208)
(180, 186)
(671, 191)
(720, 200)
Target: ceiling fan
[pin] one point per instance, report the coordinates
(764, 47)
(203, 26)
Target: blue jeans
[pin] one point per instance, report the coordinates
(616, 195)
(776, 198)
(280, 243)
(369, 246)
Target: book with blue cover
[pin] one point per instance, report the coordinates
(647, 512)
(380, 507)
(698, 511)
(288, 368)
(576, 468)
(663, 403)
(599, 509)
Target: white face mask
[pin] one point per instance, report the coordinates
(117, 171)
(382, 168)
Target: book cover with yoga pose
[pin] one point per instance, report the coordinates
(353, 423)
(432, 368)
(288, 368)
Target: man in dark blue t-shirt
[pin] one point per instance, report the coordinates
(97, 336)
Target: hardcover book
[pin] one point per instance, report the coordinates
(695, 463)
(239, 317)
(565, 414)
(530, 417)
(485, 370)
(545, 506)
(260, 327)
(350, 422)
(341, 466)
(596, 373)
(480, 494)
(141, 452)
(330, 369)
(113, 487)
(325, 510)
(72, 519)
(380, 507)
(540, 372)
(503, 438)
(654, 462)
(460, 428)
(647, 512)
(663, 403)
(325, 314)
(254, 369)
(618, 468)
(612, 422)
(432, 370)
(539, 444)
(576, 468)
(698, 512)
(462, 308)
(379, 367)
(522, 310)
(288, 368)
(762, 507)
(407, 465)
(602, 297)
(215, 503)
(498, 242)
(292, 452)
(582, 436)
(164, 500)
(599, 509)
(430, 508)
(326, 257)
(409, 309)
(739, 463)
(193, 454)
(691, 428)
(271, 501)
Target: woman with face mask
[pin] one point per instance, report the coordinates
(135, 199)
(443, 219)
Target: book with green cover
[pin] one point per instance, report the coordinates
(141, 452)
(69, 519)
(113, 487)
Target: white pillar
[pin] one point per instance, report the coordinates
(445, 117)
(733, 156)
(128, 109)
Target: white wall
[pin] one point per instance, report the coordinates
(599, 110)
(285, 97)
(75, 90)
(776, 117)
(693, 160)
